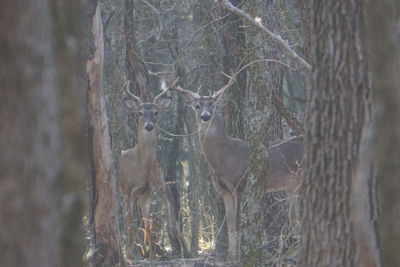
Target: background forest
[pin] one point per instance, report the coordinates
(322, 71)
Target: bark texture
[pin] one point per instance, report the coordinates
(336, 115)
(105, 248)
(115, 70)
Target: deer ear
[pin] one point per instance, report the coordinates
(132, 104)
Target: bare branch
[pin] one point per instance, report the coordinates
(231, 81)
(173, 84)
(285, 113)
(284, 44)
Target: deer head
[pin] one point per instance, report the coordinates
(148, 111)
(205, 106)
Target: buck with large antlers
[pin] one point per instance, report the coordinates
(228, 159)
(140, 173)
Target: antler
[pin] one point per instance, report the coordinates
(129, 92)
(226, 86)
(179, 89)
(198, 90)
(214, 95)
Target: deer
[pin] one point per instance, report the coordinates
(228, 160)
(140, 172)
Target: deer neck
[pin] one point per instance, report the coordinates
(146, 143)
(212, 136)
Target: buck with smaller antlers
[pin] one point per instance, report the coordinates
(140, 173)
(228, 159)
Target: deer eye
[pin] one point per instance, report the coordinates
(140, 113)
(155, 113)
(197, 106)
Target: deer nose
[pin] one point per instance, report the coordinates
(149, 126)
(205, 116)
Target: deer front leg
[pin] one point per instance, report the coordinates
(232, 210)
(144, 202)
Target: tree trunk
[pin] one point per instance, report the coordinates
(383, 19)
(234, 44)
(68, 36)
(336, 115)
(30, 137)
(115, 70)
(105, 248)
(364, 202)
(171, 157)
(263, 216)
(42, 162)
(173, 180)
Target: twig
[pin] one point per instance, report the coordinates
(155, 10)
(228, 5)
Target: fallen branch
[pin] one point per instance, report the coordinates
(228, 5)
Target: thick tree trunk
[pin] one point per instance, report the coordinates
(383, 19)
(336, 117)
(115, 70)
(364, 201)
(30, 137)
(115, 76)
(173, 177)
(261, 212)
(137, 66)
(305, 17)
(171, 157)
(105, 247)
(234, 44)
(68, 36)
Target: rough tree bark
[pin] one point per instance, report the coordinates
(115, 70)
(105, 247)
(336, 116)
(234, 46)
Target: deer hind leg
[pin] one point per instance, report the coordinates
(144, 202)
(232, 208)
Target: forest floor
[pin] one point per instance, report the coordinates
(195, 262)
